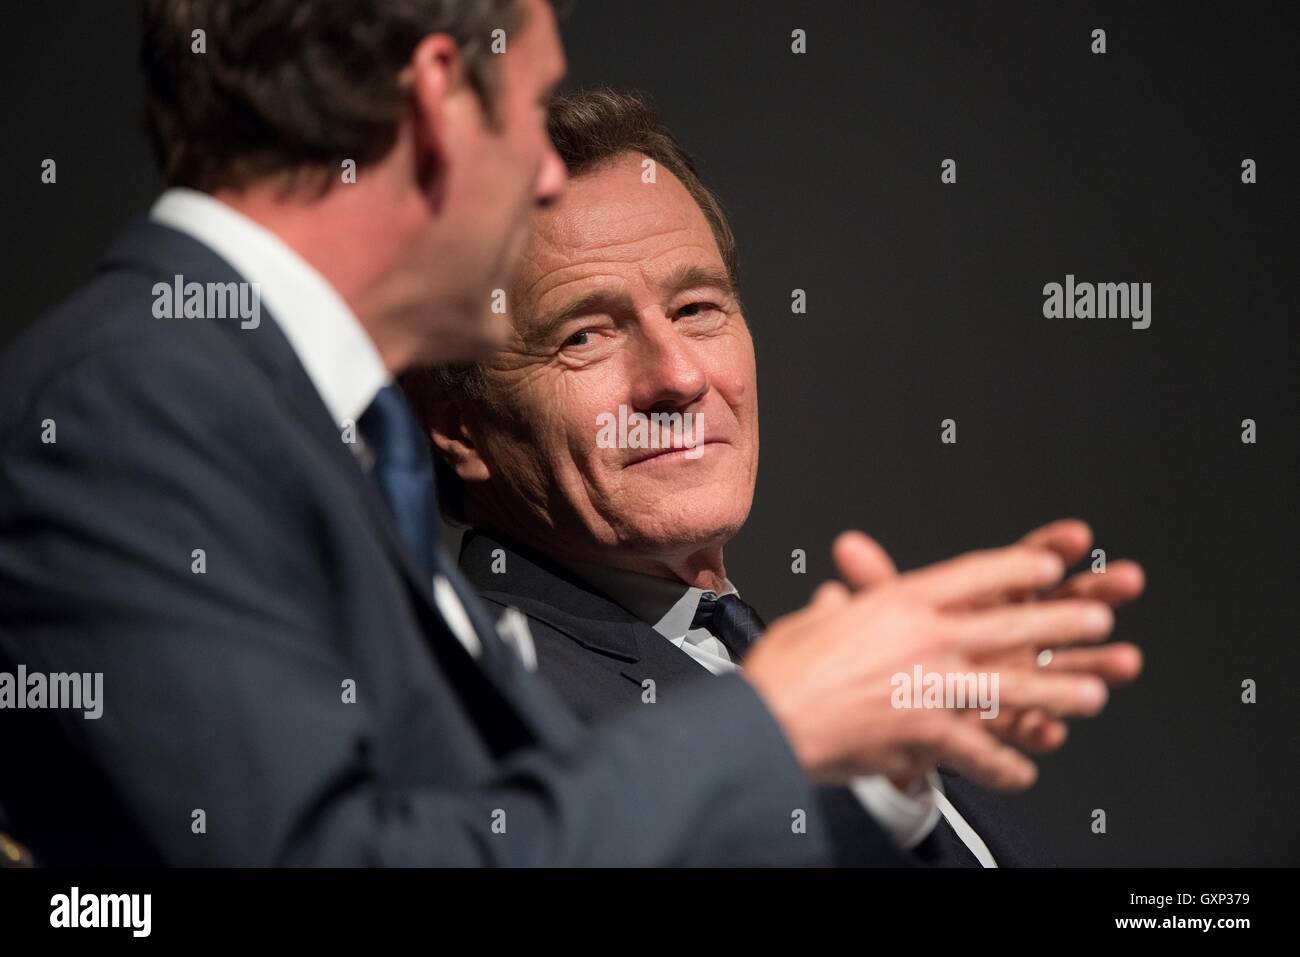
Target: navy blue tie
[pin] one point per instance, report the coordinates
(730, 620)
(404, 472)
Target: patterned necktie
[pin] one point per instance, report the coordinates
(730, 620)
(403, 471)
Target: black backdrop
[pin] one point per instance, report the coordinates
(925, 303)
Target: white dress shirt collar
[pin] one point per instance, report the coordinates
(667, 606)
(338, 354)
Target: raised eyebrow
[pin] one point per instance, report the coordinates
(688, 276)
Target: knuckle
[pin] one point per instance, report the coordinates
(931, 730)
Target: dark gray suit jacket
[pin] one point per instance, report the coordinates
(597, 654)
(223, 691)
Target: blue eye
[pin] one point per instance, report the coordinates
(577, 339)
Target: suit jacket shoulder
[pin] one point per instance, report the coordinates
(179, 515)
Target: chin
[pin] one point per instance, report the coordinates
(675, 525)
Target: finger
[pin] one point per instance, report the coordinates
(830, 593)
(1037, 732)
(827, 598)
(975, 754)
(1119, 584)
(861, 561)
(1037, 625)
(1069, 538)
(1060, 695)
(1031, 731)
(977, 576)
(1114, 664)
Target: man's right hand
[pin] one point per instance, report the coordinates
(826, 670)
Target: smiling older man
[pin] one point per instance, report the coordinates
(607, 528)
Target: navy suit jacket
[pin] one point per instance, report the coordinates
(597, 655)
(226, 737)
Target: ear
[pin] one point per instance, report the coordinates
(438, 86)
(454, 440)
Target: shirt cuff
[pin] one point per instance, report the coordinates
(908, 817)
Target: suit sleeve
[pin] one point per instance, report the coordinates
(156, 541)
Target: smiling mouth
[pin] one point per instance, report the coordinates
(683, 454)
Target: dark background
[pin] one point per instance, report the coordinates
(924, 303)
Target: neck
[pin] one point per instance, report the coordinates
(699, 565)
(703, 568)
(355, 236)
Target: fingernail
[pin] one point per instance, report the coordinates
(1050, 566)
(1099, 618)
(1093, 694)
(1026, 775)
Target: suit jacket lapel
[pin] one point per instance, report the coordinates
(164, 252)
(542, 589)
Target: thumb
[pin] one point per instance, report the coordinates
(861, 561)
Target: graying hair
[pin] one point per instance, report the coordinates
(589, 128)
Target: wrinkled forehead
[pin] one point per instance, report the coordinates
(612, 225)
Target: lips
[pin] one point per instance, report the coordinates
(679, 452)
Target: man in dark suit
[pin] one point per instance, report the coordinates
(607, 455)
(215, 504)
(605, 660)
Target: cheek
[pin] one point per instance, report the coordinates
(516, 462)
(553, 433)
(520, 434)
(585, 405)
(735, 379)
(592, 396)
(527, 143)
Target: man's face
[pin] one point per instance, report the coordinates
(504, 166)
(622, 299)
